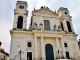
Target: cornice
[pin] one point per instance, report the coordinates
(61, 33)
(48, 32)
(63, 17)
(21, 32)
(71, 34)
(20, 11)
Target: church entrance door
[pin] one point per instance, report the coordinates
(49, 52)
(67, 55)
(29, 55)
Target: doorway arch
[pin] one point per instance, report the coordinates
(49, 52)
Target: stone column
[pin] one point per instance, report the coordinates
(71, 26)
(57, 43)
(65, 25)
(36, 50)
(42, 48)
(63, 48)
(70, 52)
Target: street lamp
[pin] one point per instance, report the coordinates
(20, 52)
(59, 51)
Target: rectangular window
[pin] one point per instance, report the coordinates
(65, 44)
(46, 25)
(29, 44)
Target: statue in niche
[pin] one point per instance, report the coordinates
(35, 25)
(54, 27)
(41, 26)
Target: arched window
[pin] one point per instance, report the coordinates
(68, 26)
(47, 25)
(20, 22)
(62, 26)
(29, 44)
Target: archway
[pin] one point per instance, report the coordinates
(69, 26)
(49, 52)
(20, 22)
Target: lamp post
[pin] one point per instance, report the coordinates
(59, 51)
(20, 52)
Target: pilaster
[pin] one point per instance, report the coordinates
(57, 43)
(63, 49)
(36, 50)
(15, 20)
(43, 49)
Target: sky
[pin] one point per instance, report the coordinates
(7, 15)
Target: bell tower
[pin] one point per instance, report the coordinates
(65, 20)
(20, 16)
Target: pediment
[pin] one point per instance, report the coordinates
(45, 11)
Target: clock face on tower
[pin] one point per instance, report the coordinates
(21, 7)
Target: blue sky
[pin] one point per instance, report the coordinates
(7, 15)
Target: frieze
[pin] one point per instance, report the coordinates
(71, 37)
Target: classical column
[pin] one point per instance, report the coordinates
(63, 48)
(42, 49)
(36, 50)
(71, 26)
(71, 55)
(57, 43)
(65, 25)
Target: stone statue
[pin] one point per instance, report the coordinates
(35, 25)
(59, 28)
(54, 27)
(41, 26)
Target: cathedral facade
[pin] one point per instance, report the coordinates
(50, 35)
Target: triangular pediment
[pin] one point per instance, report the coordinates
(45, 11)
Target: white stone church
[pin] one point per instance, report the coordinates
(50, 35)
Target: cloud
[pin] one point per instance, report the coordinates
(6, 17)
(5, 34)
